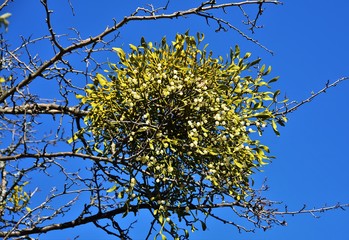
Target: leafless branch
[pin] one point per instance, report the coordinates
(313, 211)
(117, 26)
(43, 108)
(289, 109)
(4, 4)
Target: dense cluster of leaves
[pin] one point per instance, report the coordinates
(178, 122)
(19, 198)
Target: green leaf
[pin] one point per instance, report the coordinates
(151, 146)
(239, 165)
(200, 37)
(133, 47)
(261, 70)
(78, 96)
(4, 21)
(28, 209)
(204, 129)
(203, 226)
(112, 189)
(265, 148)
(161, 219)
(163, 237)
(186, 233)
(72, 139)
(119, 50)
(262, 115)
(273, 124)
(125, 213)
(268, 71)
(277, 92)
(5, 15)
(273, 80)
(247, 55)
(143, 42)
(254, 62)
(212, 152)
(237, 51)
(193, 228)
(101, 79)
(120, 53)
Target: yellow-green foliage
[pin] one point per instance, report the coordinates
(18, 198)
(4, 20)
(183, 117)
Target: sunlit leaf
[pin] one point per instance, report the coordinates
(112, 189)
(133, 47)
(275, 127)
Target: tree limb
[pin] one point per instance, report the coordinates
(63, 51)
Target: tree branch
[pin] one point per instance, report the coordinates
(134, 17)
(313, 211)
(43, 108)
(53, 155)
(309, 99)
(4, 4)
(106, 215)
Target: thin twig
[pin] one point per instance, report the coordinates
(309, 99)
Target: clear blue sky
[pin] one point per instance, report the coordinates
(310, 41)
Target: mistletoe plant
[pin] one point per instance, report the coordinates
(178, 126)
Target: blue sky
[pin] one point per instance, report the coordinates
(310, 42)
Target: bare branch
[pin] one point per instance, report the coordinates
(222, 22)
(53, 155)
(289, 109)
(43, 108)
(4, 4)
(133, 17)
(313, 211)
(49, 25)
